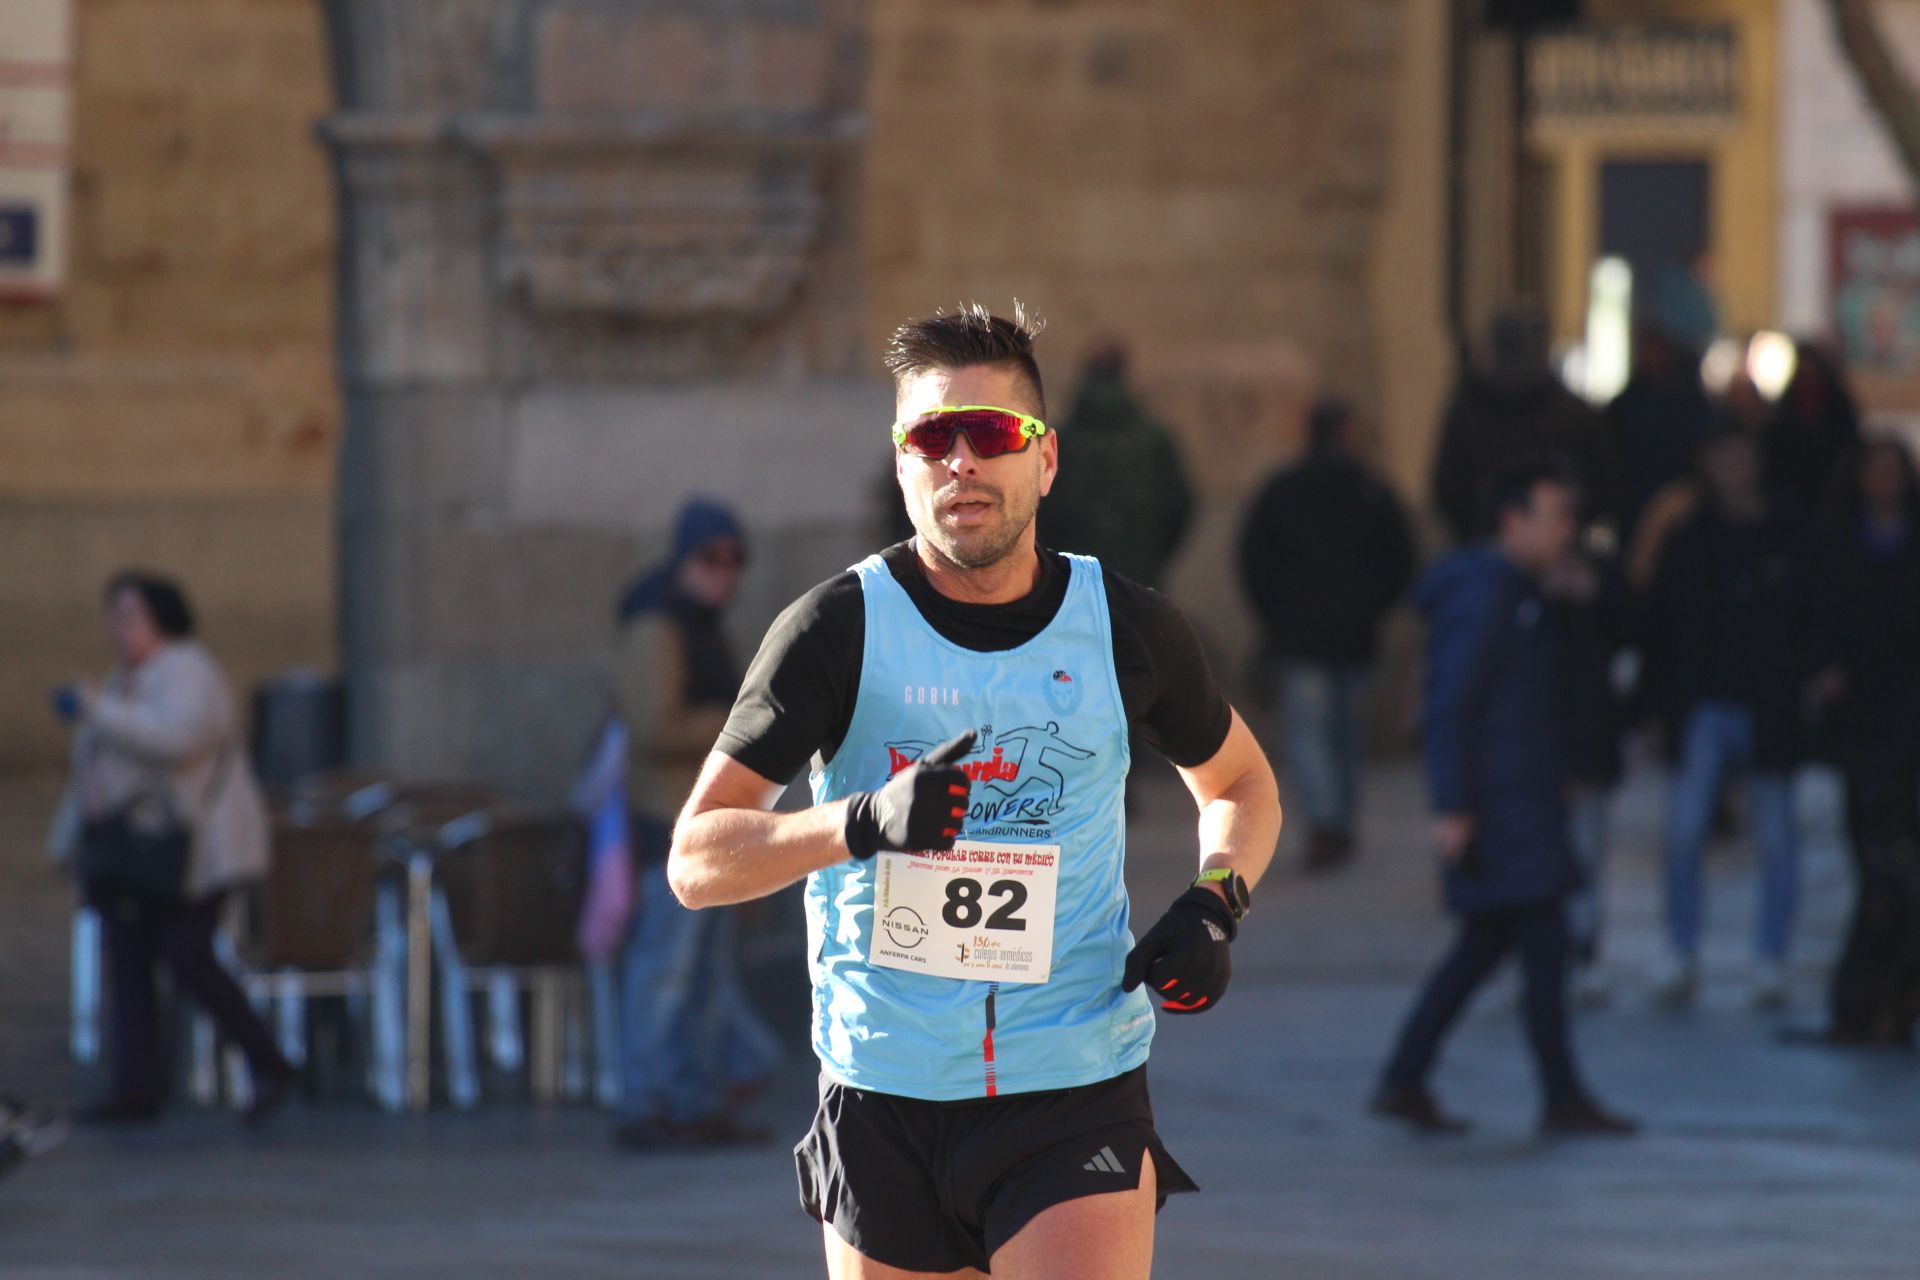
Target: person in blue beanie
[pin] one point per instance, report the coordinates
(691, 1044)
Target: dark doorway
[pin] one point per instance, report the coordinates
(1653, 213)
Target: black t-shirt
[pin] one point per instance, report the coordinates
(799, 693)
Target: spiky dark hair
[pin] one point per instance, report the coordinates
(967, 336)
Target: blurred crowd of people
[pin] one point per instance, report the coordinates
(1732, 579)
(1747, 587)
(1737, 577)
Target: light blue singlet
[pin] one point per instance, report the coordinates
(1049, 768)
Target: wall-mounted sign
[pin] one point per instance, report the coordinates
(1875, 287)
(1661, 76)
(36, 113)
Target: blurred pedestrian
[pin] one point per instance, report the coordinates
(1725, 672)
(1591, 595)
(692, 1046)
(1126, 498)
(1511, 411)
(1867, 692)
(1324, 554)
(163, 819)
(1814, 425)
(1661, 415)
(1744, 404)
(1497, 767)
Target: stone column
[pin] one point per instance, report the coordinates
(594, 258)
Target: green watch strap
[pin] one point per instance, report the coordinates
(1232, 885)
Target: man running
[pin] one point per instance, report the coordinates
(977, 1006)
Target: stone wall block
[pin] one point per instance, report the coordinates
(627, 457)
(443, 55)
(414, 249)
(526, 593)
(611, 59)
(604, 60)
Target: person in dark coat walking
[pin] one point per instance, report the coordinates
(1511, 411)
(1814, 428)
(1497, 767)
(1867, 692)
(1726, 672)
(1656, 422)
(1592, 597)
(1324, 554)
(1126, 498)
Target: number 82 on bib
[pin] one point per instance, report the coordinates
(977, 911)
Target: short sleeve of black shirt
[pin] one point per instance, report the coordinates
(798, 696)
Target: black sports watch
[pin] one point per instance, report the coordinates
(1229, 882)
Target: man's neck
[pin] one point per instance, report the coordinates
(1012, 577)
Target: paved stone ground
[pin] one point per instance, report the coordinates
(1758, 1159)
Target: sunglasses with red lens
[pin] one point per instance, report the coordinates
(990, 430)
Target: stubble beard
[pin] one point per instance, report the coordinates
(978, 548)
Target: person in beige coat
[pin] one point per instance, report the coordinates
(163, 729)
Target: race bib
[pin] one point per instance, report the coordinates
(979, 911)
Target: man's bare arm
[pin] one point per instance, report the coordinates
(728, 847)
(1239, 805)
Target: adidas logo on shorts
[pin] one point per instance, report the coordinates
(1105, 1162)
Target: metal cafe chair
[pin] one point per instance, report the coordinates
(428, 822)
(512, 888)
(313, 932)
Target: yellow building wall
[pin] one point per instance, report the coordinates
(1742, 158)
(175, 407)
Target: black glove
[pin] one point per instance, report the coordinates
(921, 807)
(1184, 956)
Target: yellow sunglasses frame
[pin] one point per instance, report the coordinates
(1031, 428)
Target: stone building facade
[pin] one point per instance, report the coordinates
(594, 257)
(175, 405)
(597, 257)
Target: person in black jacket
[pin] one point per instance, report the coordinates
(1656, 422)
(1498, 766)
(1323, 556)
(1725, 671)
(1867, 646)
(1814, 428)
(1511, 411)
(1593, 599)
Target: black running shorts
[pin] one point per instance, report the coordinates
(937, 1186)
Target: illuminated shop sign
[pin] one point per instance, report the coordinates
(1658, 74)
